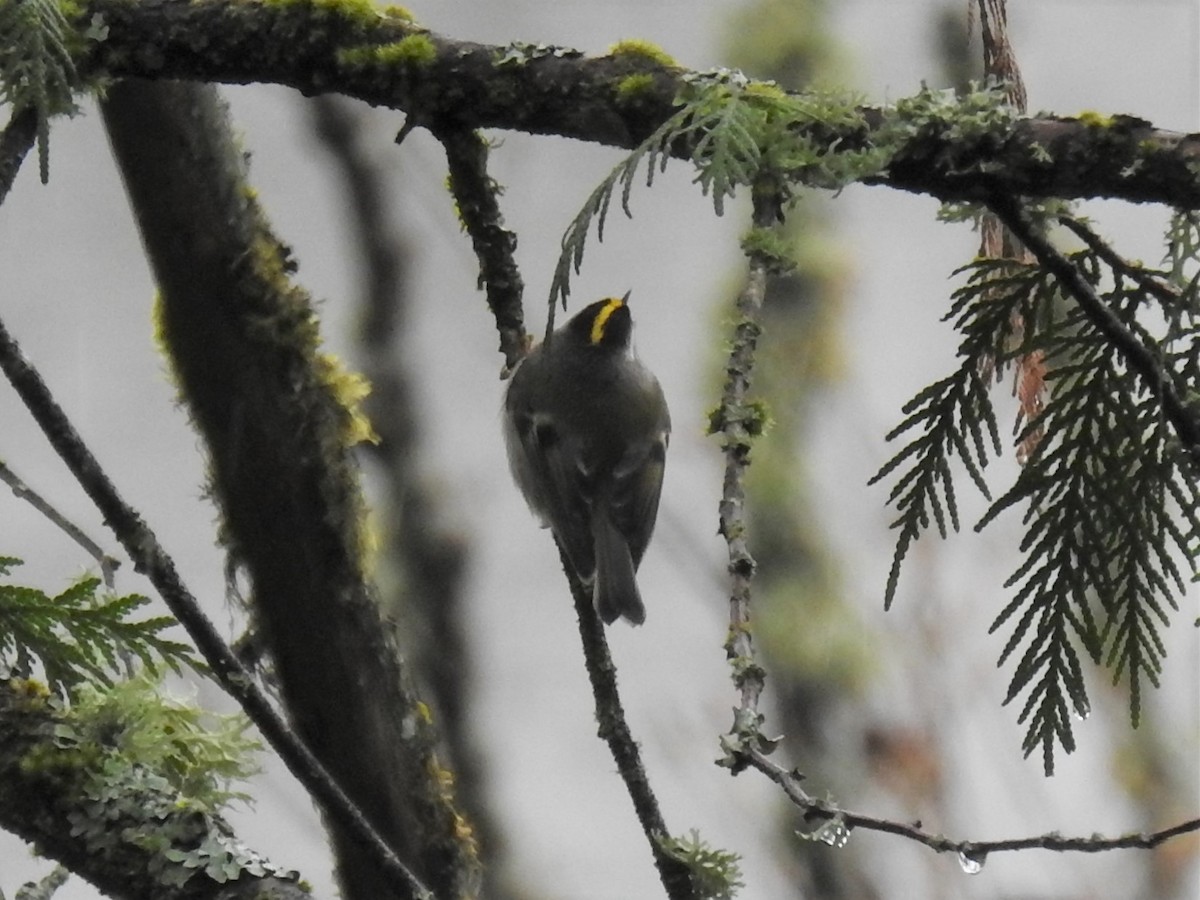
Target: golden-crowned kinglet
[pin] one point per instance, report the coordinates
(587, 428)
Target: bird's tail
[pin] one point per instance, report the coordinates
(615, 591)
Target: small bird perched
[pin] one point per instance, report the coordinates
(587, 428)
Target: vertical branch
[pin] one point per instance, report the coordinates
(999, 58)
(246, 350)
(737, 422)
(475, 196)
(997, 242)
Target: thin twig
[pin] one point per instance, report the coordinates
(614, 730)
(475, 196)
(738, 421)
(1144, 277)
(108, 565)
(974, 850)
(1137, 355)
(150, 559)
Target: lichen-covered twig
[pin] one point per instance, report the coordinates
(387, 60)
(737, 421)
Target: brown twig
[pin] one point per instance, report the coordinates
(108, 565)
(971, 850)
(614, 731)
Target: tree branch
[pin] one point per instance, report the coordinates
(1147, 279)
(423, 557)
(614, 730)
(974, 851)
(150, 559)
(1137, 355)
(476, 197)
(737, 422)
(108, 565)
(47, 804)
(245, 347)
(389, 61)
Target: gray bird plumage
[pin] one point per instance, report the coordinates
(587, 428)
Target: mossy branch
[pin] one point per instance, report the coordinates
(74, 786)
(477, 199)
(553, 90)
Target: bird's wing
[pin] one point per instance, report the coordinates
(557, 488)
(635, 490)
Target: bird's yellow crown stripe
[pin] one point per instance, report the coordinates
(602, 317)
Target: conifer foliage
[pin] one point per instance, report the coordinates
(1108, 490)
(79, 636)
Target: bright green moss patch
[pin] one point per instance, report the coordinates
(1095, 119)
(633, 86)
(363, 9)
(414, 50)
(767, 89)
(360, 10)
(647, 50)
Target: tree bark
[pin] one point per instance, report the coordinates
(244, 345)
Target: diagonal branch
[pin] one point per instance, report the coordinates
(108, 565)
(614, 730)
(1148, 280)
(150, 559)
(1137, 355)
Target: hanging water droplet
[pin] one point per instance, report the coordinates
(834, 833)
(972, 863)
(1082, 711)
